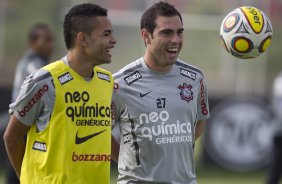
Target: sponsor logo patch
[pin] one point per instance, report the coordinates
(39, 146)
(80, 140)
(186, 93)
(159, 128)
(144, 94)
(76, 157)
(133, 78)
(203, 103)
(188, 73)
(127, 138)
(33, 100)
(65, 78)
(82, 113)
(104, 76)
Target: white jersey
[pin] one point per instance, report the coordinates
(157, 115)
(28, 64)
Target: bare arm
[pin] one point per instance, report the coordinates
(115, 149)
(14, 142)
(199, 128)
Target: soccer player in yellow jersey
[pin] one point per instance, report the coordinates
(64, 108)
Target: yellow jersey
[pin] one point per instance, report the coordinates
(75, 146)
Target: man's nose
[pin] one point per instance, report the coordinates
(176, 38)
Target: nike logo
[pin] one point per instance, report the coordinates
(79, 140)
(144, 94)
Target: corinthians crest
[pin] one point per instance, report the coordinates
(186, 92)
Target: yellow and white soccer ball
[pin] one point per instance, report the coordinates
(246, 32)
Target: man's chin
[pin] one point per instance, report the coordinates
(171, 61)
(108, 62)
(104, 62)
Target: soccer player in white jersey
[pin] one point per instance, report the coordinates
(160, 104)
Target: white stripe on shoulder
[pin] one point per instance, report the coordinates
(128, 69)
(181, 63)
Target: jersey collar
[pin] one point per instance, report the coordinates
(165, 74)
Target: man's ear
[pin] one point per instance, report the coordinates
(81, 39)
(146, 35)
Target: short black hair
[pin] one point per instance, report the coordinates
(33, 33)
(148, 20)
(77, 20)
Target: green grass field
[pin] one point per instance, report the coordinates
(1, 176)
(208, 175)
(216, 175)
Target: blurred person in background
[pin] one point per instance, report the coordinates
(41, 46)
(160, 104)
(275, 168)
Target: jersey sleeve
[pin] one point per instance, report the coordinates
(118, 103)
(24, 69)
(30, 101)
(203, 104)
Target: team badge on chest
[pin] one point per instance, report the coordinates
(186, 92)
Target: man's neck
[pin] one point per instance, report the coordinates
(153, 64)
(80, 64)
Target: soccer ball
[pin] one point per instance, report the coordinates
(246, 32)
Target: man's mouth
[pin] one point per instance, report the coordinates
(109, 51)
(172, 51)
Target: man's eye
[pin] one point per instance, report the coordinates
(107, 33)
(180, 33)
(167, 32)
